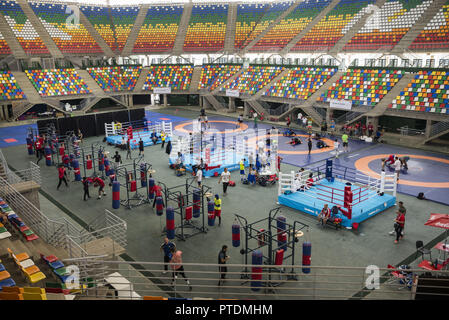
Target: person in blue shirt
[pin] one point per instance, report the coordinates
(166, 248)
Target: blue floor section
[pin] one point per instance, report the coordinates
(146, 138)
(311, 202)
(419, 170)
(155, 116)
(14, 136)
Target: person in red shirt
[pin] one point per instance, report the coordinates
(39, 149)
(279, 163)
(62, 176)
(370, 129)
(288, 121)
(324, 215)
(99, 182)
(399, 225)
(309, 182)
(364, 130)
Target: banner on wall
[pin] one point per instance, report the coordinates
(232, 93)
(340, 104)
(162, 90)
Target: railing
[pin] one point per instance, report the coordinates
(292, 282)
(406, 131)
(51, 231)
(33, 173)
(347, 117)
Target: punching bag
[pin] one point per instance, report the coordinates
(256, 274)
(115, 195)
(306, 256)
(236, 235)
(170, 223)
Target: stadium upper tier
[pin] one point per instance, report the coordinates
(264, 26)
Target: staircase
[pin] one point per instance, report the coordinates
(40, 29)
(437, 130)
(195, 80)
(32, 95)
(261, 111)
(141, 81)
(419, 25)
(11, 39)
(215, 103)
(270, 26)
(230, 29)
(182, 29)
(129, 45)
(3, 172)
(268, 86)
(338, 47)
(95, 35)
(309, 27)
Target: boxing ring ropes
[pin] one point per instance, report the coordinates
(215, 148)
(139, 129)
(367, 186)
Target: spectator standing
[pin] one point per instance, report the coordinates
(222, 258)
(166, 248)
(225, 177)
(399, 226)
(401, 209)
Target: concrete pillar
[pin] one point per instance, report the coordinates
(428, 127)
(329, 114)
(246, 109)
(165, 100)
(201, 101)
(130, 100)
(231, 104)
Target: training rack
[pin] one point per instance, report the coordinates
(180, 198)
(90, 157)
(126, 174)
(268, 239)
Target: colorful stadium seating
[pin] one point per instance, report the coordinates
(363, 86)
(300, 83)
(22, 28)
(57, 82)
(158, 32)
(436, 34)
(69, 35)
(248, 15)
(427, 92)
(113, 79)
(100, 19)
(334, 25)
(207, 28)
(273, 12)
(282, 33)
(216, 74)
(254, 78)
(177, 77)
(388, 25)
(123, 18)
(4, 48)
(9, 89)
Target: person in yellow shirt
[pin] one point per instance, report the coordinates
(242, 169)
(163, 139)
(217, 208)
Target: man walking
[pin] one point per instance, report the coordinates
(255, 120)
(128, 149)
(399, 226)
(117, 160)
(222, 258)
(397, 167)
(166, 248)
(62, 174)
(345, 140)
(309, 145)
(86, 188)
(225, 177)
(141, 147)
(403, 210)
(177, 267)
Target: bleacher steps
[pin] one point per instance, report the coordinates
(10, 38)
(259, 93)
(95, 35)
(443, 128)
(270, 26)
(309, 27)
(258, 107)
(230, 28)
(129, 45)
(419, 25)
(40, 29)
(141, 81)
(182, 29)
(195, 79)
(234, 76)
(340, 44)
(91, 83)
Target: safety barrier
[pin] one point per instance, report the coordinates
(323, 282)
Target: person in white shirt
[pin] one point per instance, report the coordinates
(225, 177)
(299, 118)
(298, 180)
(251, 159)
(261, 146)
(304, 121)
(199, 176)
(336, 145)
(263, 160)
(397, 166)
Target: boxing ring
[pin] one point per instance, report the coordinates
(136, 130)
(220, 151)
(357, 195)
